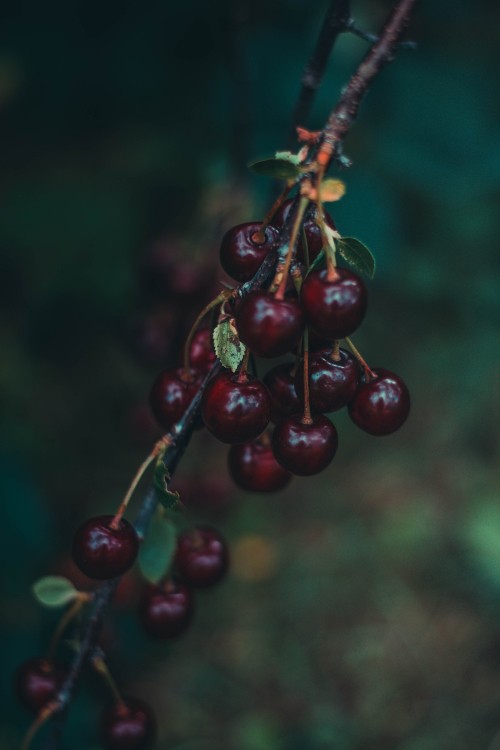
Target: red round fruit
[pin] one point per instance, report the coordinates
(201, 350)
(37, 682)
(171, 394)
(332, 383)
(254, 468)
(103, 552)
(128, 726)
(202, 557)
(280, 383)
(333, 309)
(305, 449)
(381, 405)
(269, 327)
(166, 609)
(235, 408)
(241, 254)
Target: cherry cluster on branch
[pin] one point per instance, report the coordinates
(292, 296)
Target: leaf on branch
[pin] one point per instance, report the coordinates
(357, 255)
(289, 156)
(157, 549)
(161, 478)
(280, 169)
(227, 344)
(54, 591)
(332, 190)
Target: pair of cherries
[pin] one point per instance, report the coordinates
(129, 725)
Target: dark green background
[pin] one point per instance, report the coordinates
(375, 622)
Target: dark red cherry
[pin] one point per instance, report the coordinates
(171, 394)
(310, 227)
(202, 557)
(380, 406)
(37, 682)
(305, 449)
(269, 327)
(166, 609)
(242, 252)
(254, 468)
(280, 382)
(235, 408)
(332, 382)
(201, 351)
(128, 726)
(333, 309)
(101, 551)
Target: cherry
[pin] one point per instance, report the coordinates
(241, 252)
(235, 408)
(305, 449)
(166, 609)
(37, 682)
(333, 309)
(202, 557)
(269, 326)
(171, 394)
(381, 405)
(332, 382)
(101, 551)
(310, 227)
(280, 382)
(254, 468)
(201, 350)
(128, 726)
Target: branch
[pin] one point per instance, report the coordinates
(335, 22)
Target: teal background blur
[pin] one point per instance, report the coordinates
(363, 607)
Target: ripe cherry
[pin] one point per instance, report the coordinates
(166, 609)
(381, 405)
(254, 468)
(171, 394)
(101, 551)
(310, 227)
(235, 408)
(128, 726)
(334, 309)
(280, 382)
(242, 250)
(201, 350)
(202, 557)
(302, 448)
(269, 326)
(37, 682)
(332, 382)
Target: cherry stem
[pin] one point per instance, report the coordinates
(101, 668)
(242, 372)
(45, 714)
(335, 353)
(280, 294)
(159, 448)
(260, 236)
(369, 374)
(265, 439)
(306, 419)
(222, 297)
(81, 598)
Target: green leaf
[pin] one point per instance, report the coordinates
(157, 549)
(357, 255)
(280, 169)
(227, 344)
(54, 591)
(161, 478)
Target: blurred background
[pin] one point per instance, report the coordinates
(363, 607)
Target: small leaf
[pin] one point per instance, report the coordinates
(357, 255)
(280, 169)
(157, 549)
(54, 591)
(332, 190)
(288, 156)
(227, 344)
(161, 478)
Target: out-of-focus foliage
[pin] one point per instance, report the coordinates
(363, 607)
